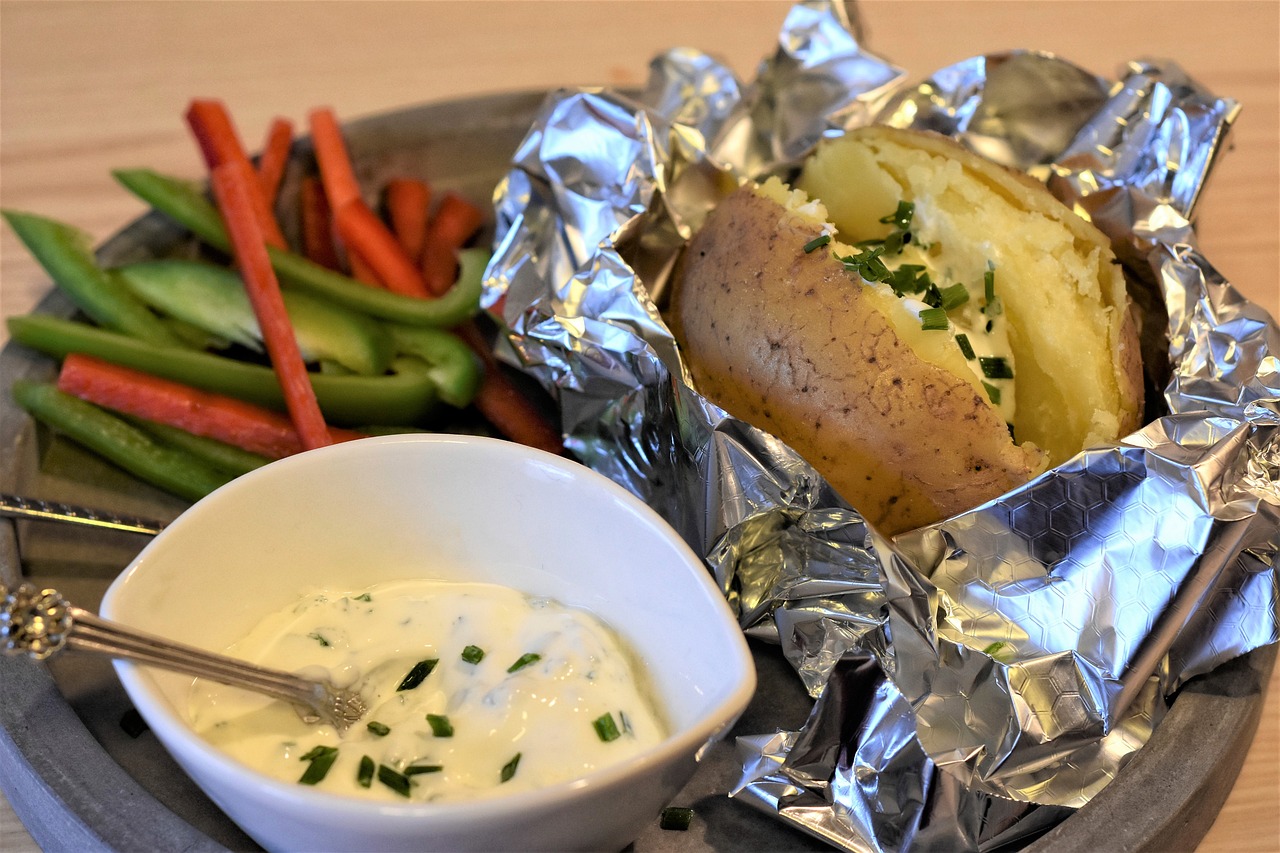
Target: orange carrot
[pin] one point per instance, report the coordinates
(196, 411)
(362, 271)
(219, 143)
(408, 203)
(340, 184)
(275, 157)
(235, 185)
(503, 404)
(363, 233)
(453, 224)
(317, 225)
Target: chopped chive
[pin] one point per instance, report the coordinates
(995, 367)
(473, 654)
(994, 647)
(954, 296)
(677, 818)
(440, 725)
(418, 674)
(364, 597)
(364, 775)
(901, 216)
(989, 282)
(965, 347)
(509, 769)
(397, 782)
(909, 278)
(933, 320)
(321, 758)
(867, 264)
(606, 728)
(416, 769)
(993, 393)
(379, 729)
(524, 660)
(319, 638)
(817, 243)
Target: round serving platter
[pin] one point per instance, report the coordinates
(82, 775)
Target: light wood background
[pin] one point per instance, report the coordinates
(85, 87)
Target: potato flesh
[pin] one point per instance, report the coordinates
(1076, 380)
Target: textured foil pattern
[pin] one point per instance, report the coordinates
(977, 680)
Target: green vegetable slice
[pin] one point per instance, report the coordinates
(321, 758)
(417, 674)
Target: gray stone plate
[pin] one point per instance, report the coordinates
(81, 780)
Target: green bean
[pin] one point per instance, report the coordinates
(66, 253)
(454, 367)
(123, 444)
(218, 454)
(405, 396)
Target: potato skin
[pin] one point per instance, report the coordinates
(786, 341)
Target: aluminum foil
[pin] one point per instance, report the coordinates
(978, 679)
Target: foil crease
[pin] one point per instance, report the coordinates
(1009, 660)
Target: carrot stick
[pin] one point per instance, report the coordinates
(317, 225)
(274, 157)
(363, 233)
(219, 143)
(455, 221)
(235, 185)
(503, 404)
(361, 270)
(340, 184)
(235, 422)
(408, 203)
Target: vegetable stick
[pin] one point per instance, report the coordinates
(275, 157)
(235, 185)
(361, 271)
(202, 413)
(317, 225)
(66, 254)
(340, 184)
(408, 204)
(124, 444)
(503, 404)
(406, 395)
(364, 234)
(454, 222)
(219, 143)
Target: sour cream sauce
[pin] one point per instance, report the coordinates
(531, 724)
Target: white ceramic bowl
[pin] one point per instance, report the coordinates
(456, 508)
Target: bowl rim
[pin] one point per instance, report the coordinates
(710, 724)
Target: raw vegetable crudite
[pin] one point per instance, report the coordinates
(927, 329)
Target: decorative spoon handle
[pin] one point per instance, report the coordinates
(20, 507)
(39, 623)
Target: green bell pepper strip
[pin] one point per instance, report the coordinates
(213, 298)
(406, 396)
(218, 454)
(66, 253)
(123, 444)
(184, 202)
(456, 369)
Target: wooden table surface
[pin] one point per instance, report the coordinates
(85, 87)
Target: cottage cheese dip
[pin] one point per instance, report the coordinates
(474, 690)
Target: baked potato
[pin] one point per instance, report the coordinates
(928, 329)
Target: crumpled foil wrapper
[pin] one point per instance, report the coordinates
(996, 669)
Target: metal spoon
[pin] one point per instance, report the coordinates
(40, 622)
